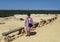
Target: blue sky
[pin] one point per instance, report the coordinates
(30, 4)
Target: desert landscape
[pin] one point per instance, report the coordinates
(49, 31)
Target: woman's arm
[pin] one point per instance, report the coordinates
(25, 22)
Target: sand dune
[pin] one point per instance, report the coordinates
(47, 33)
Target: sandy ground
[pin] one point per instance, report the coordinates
(46, 33)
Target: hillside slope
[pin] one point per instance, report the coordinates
(47, 33)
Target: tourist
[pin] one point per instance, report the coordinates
(28, 24)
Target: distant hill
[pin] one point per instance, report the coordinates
(4, 13)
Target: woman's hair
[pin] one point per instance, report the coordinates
(28, 14)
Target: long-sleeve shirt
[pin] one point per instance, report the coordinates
(28, 20)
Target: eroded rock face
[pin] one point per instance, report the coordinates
(21, 19)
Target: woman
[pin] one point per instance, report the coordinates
(28, 24)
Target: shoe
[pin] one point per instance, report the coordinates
(28, 35)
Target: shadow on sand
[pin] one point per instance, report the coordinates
(32, 33)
